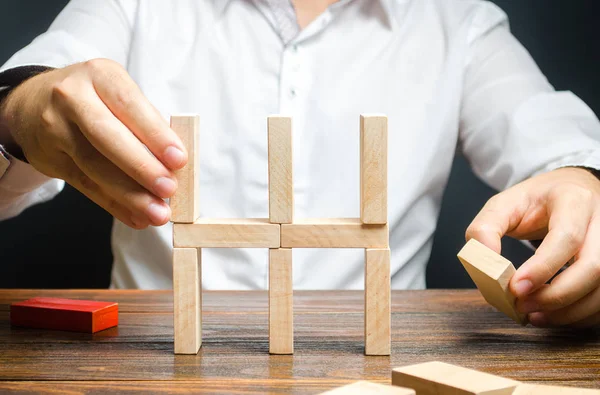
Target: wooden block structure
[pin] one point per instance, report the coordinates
(89, 316)
(439, 378)
(280, 233)
(369, 388)
(491, 273)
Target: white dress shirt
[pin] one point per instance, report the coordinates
(448, 74)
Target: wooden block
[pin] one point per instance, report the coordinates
(187, 300)
(434, 378)
(368, 388)
(373, 169)
(333, 233)
(533, 389)
(491, 273)
(73, 315)
(184, 203)
(377, 302)
(227, 233)
(281, 310)
(281, 186)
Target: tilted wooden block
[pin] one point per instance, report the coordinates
(281, 193)
(373, 169)
(184, 203)
(227, 233)
(491, 273)
(377, 302)
(333, 233)
(187, 300)
(368, 388)
(281, 310)
(436, 378)
(533, 389)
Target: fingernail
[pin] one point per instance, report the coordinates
(164, 187)
(538, 319)
(174, 157)
(523, 288)
(157, 212)
(529, 306)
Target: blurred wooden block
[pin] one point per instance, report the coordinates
(491, 273)
(281, 310)
(187, 300)
(184, 203)
(73, 315)
(281, 193)
(532, 389)
(377, 302)
(333, 233)
(227, 233)
(368, 388)
(373, 169)
(436, 378)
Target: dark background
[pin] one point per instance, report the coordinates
(65, 243)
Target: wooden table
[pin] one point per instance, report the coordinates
(451, 326)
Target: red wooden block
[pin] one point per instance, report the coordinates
(65, 314)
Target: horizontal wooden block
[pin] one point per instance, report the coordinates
(333, 233)
(491, 273)
(73, 315)
(227, 233)
(532, 389)
(434, 378)
(368, 388)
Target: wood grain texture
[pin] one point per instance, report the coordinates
(281, 181)
(227, 233)
(433, 378)
(373, 169)
(333, 233)
(533, 389)
(458, 327)
(377, 302)
(491, 273)
(369, 388)
(187, 301)
(281, 308)
(184, 203)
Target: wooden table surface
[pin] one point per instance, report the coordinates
(451, 326)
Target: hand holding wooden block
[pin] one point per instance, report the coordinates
(491, 273)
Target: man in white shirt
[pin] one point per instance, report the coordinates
(447, 73)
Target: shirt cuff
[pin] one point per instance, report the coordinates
(17, 176)
(588, 159)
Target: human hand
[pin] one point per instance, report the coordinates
(562, 207)
(88, 124)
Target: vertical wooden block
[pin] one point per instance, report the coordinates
(281, 311)
(434, 378)
(184, 203)
(373, 169)
(491, 273)
(281, 194)
(377, 301)
(187, 300)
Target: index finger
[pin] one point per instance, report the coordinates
(127, 102)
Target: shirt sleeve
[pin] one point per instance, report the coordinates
(84, 30)
(513, 124)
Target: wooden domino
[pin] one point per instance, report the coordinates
(73, 315)
(491, 273)
(281, 312)
(281, 232)
(373, 169)
(184, 203)
(368, 388)
(281, 194)
(438, 378)
(333, 233)
(534, 389)
(187, 299)
(227, 233)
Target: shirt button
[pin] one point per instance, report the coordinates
(295, 48)
(293, 92)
